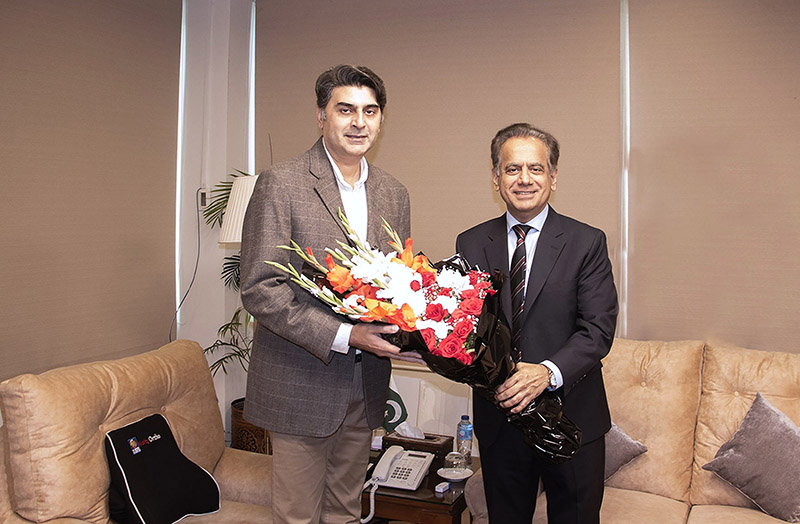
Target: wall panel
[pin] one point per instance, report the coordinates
(88, 141)
(456, 72)
(714, 171)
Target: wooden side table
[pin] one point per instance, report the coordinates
(423, 506)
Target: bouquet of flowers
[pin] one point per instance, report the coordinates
(448, 312)
(441, 304)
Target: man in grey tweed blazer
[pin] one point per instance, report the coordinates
(317, 382)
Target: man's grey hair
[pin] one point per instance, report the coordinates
(524, 130)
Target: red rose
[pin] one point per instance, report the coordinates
(463, 329)
(430, 338)
(464, 358)
(470, 293)
(450, 346)
(434, 312)
(415, 285)
(455, 316)
(428, 279)
(472, 306)
(473, 277)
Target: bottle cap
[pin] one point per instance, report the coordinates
(464, 417)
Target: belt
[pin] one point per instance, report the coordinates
(358, 358)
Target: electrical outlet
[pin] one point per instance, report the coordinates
(203, 198)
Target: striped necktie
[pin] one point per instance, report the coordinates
(518, 267)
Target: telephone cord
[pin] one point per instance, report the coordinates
(374, 484)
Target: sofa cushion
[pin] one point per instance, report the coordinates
(762, 460)
(731, 378)
(703, 514)
(620, 450)
(653, 391)
(56, 423)
(234, 513)
(152, 482)
(622, 506)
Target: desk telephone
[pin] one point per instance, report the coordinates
(398, 468)
(402, 469)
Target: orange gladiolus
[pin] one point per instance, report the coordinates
(378, 309)
(421, 264)
(404, 318)
(338, 276)
(407, 255)
(366, 291)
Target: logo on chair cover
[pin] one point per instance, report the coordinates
(136, 444)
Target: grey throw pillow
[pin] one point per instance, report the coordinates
(620, 450)
(762, 460)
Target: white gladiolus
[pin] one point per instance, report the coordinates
(453, 279)
(369, 271)
(450, 304)
(399, 291)
(440, 329)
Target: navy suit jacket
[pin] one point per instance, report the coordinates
(570, 313)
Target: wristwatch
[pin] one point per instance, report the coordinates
(552, 378)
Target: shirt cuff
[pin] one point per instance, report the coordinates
(341, 343)
(556, 373)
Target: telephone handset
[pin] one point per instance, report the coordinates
(402, 469)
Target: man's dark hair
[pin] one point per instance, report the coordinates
(523, 130)
(348, 75)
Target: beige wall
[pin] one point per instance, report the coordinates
(455, 72)
(88, 91)
(88, 141)
(715, 219)
(714, 133)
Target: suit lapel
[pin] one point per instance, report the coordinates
(548, 248)
(376, 200)
(326, 187)
(496, 251)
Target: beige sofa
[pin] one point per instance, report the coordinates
(682, 400)
(53, 467)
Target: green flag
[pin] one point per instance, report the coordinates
(395, 413)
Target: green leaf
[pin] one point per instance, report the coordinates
(230, 271)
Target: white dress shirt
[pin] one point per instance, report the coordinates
(531, 239)
(354, 200)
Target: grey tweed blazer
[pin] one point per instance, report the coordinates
(295, 383)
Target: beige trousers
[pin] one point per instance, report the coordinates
(319, 480)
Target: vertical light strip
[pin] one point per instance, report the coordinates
(179, 169)
(625, 103)
(251, 114)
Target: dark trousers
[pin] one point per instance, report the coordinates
(511, 473)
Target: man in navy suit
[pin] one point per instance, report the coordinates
(561, 304)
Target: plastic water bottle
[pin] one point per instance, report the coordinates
(464, 438)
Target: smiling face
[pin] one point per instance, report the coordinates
(350, 123)
(523, 177)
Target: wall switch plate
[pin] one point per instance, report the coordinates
(203, 198)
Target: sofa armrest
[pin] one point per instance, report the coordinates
(244, 476)
(476, 498)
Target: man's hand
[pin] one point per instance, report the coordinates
(523, 386)
(367, 337)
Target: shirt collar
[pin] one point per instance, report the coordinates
(338, 173)
(536, 222)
